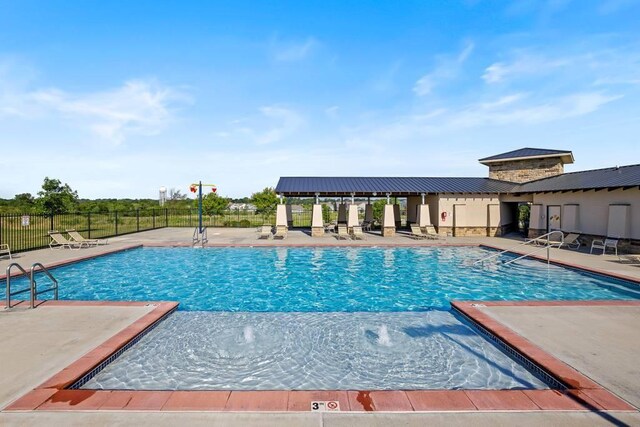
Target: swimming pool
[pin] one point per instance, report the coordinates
(314, 318)
(326, 279)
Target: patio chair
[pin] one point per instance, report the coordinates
(431, 232)
(5, 250)
(604, 244)
(265, 232)
(342, 232)
(416, 233)
(281, 232)
(58, 241)
(330, 228)
(357, 233)
(77, 237)
(366, 225)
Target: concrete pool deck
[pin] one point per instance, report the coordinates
(564, 336)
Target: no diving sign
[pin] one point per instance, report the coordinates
(325, 405)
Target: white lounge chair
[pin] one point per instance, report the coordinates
(357, 233)
(281, 232)
(77, 237)
(572, 241)
(265, 232)
(342, 232)
(58, 241)
(604, 244)
(416, 233)
(431, 232)
(630, 258)
(5, 250)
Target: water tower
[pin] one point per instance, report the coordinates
(163, 195)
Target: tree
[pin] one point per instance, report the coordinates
(212, 204)
(265, 201)
(176, 195)
(378, 209)
(56, 198)
(326, 214)
(24, 202)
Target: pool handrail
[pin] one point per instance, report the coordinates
(32, 289)
(549, 244)
(9, 294)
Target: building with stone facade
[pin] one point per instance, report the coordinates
(595, 203)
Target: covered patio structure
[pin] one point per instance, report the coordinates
(425, 197)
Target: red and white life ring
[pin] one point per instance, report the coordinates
(443, 216)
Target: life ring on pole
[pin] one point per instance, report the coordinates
(443, 216)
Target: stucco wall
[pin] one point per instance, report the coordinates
(475, 212)
(593, 216)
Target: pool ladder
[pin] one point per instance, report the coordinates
(545, 240)
(33, 288)
(200, 236)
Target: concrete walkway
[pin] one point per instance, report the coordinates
(36, 344)
(601, 342)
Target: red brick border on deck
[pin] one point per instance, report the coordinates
(582, 393)
(580, 388)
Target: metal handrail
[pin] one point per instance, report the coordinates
(9, 293)
(200, 235)
(34, 290)
(549, 243)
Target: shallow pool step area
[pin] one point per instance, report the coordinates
(314, 351)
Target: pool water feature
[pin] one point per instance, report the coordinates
(313, 351)
(336, 318)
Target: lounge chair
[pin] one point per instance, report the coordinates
(357, 233)
(5, 250)
(281, 232)
(570, 241)
(342, 232)
(604, 244)
(77, 237)
(630, 258)
(58, 241)
(416, 233)
(431, 232)
(265, 232)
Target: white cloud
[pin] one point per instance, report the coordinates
(273, 124)
(523, 65)
(293, 51)
(448, 68)
(137, 107)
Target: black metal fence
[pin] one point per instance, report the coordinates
(30, 231)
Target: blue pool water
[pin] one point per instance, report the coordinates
(320, 318)
(325, 279)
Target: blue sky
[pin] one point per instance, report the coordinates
(118, 98)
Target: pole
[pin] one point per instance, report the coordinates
(200, 207)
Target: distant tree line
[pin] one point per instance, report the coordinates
(56, 198)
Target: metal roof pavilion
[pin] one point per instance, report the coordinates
(380, 186)
(608, 178)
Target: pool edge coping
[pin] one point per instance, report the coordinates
(582, 394)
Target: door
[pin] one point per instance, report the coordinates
(553, 217)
